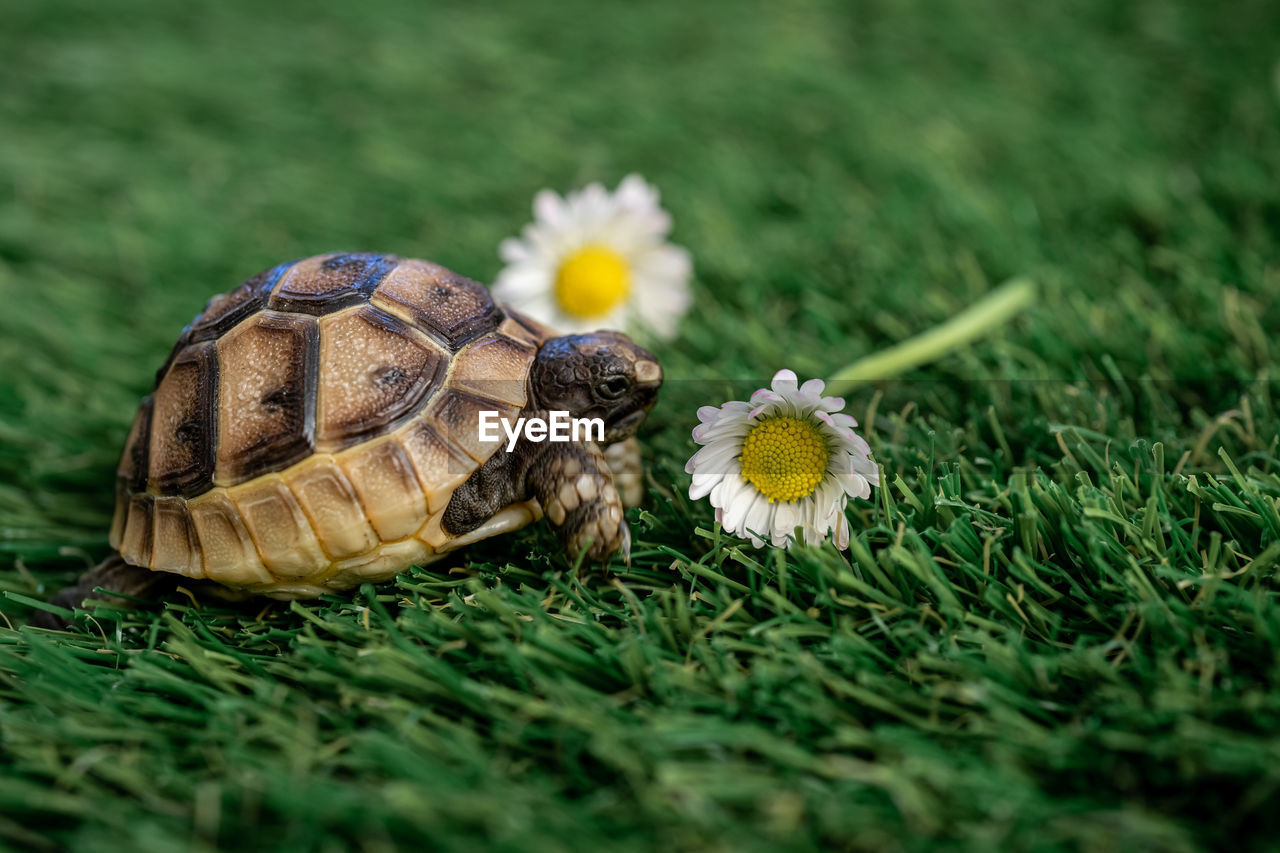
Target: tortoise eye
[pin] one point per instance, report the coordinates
(613, 387)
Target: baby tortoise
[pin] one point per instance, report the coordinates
(317, 428)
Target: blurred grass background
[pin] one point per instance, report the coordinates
(1057, 627)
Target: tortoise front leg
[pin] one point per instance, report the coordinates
(628, 475)
(573, 484)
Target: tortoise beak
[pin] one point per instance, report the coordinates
(648, 373)
(648, 381)
(625, 426)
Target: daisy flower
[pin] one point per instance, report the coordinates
(788, 458)
(595, 259)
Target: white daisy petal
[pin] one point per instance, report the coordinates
(702, 485)
(664, 262)
(839, 418)
(513, 251)
(758, 519)
(785, 520)
(635, 193)
(657, 305)
(736, 512)
(518, 282)
(764, 395)
(708, 414)
(548, 207)
(784, 382)
(833, 404)
(727, 489)
(842, 532)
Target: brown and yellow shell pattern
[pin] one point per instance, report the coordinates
(307, 422)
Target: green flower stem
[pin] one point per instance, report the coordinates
(991, 311)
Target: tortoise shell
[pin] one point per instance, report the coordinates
(309, 427)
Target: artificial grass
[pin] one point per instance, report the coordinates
(1056, 628)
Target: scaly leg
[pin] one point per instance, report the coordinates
(112, 574)
(573, 484)
(628, 475)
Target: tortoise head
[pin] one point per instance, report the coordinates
(602, 375)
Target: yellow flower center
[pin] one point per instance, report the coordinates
(592, 282)
(785, 458)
